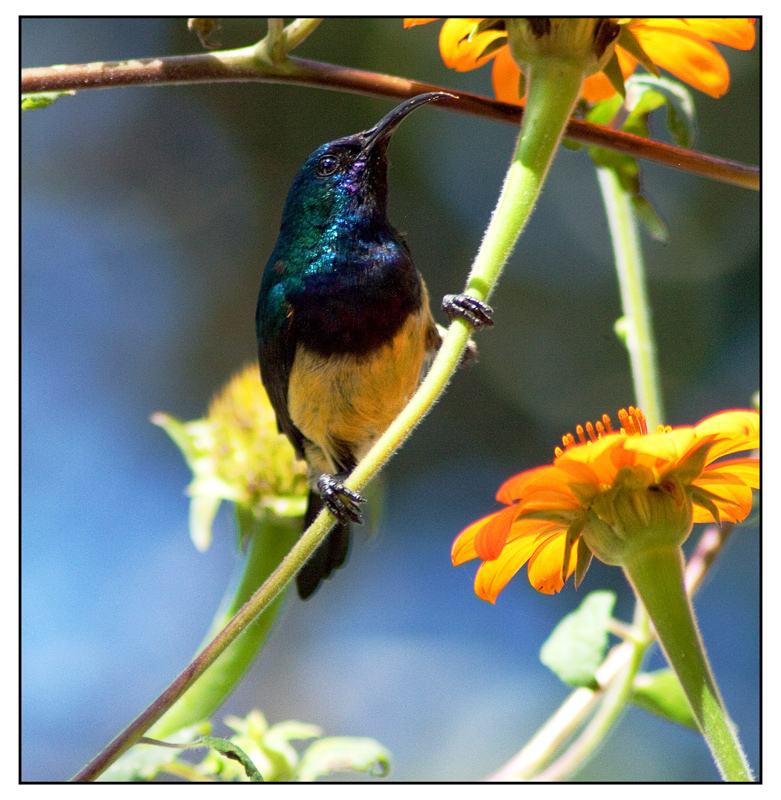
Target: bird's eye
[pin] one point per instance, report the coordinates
(327, 165)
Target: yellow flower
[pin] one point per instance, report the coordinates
(237, 454)
(611, 494)
(681, 46)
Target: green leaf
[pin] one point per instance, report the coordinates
(276, 745)
(41, 99)
(235, 753)
(646, 213)
(578, 643)
(661, 693)
(625, 167)
(344, 754)
(603, 112)
(681, 114)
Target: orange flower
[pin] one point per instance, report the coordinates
(610, 495)
(680, 46)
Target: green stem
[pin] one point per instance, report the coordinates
(635, 326)
(268, 542)
(280, 40)
(657, 578)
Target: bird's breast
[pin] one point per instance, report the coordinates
(343, 403)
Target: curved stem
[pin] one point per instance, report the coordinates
(244, 65)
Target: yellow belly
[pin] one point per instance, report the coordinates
(344, 404)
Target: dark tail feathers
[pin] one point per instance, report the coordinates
(329, 556)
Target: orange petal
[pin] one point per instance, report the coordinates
(493, 576)
(546, 562)
(597, 87)
(515, 488)
(733, 497)
(659, 449)
(686, 55)
(464, 545)
(506, 76)
(411, 22)
(492, 535)
(552, 500)
(734, 505)
(737, 32)
(457, 51)
(736, 430)
(744, 469)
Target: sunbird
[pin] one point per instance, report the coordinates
(343, 321)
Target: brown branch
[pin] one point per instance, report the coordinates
(238, 65)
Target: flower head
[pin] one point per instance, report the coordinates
(683, 47)
(612, 494)
(236, 453)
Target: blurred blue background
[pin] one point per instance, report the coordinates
(147, 217)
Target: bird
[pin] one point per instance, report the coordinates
(344, 327)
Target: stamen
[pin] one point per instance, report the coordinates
(632, 424)
(633, 421)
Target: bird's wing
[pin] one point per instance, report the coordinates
(276, 351)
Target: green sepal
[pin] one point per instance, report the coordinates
(584, 562)
(344, 754)
(661, 693)
(577, 645)
(613, 73)
(496, 44)
(627, 40)
(42, 99)
(487, 24)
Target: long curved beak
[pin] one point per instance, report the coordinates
(381, 133)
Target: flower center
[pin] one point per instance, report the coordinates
(632, 424)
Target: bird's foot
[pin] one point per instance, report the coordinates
(474, 311)
(339, 500)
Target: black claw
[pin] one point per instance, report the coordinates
(340, 501)
(474, 311)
